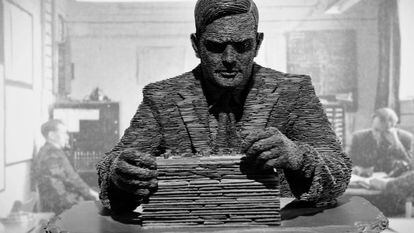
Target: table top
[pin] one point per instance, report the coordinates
(351, 214)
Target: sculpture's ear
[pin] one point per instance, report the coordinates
(259, 40)
(194, 42)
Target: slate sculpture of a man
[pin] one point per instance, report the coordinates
(228, 103)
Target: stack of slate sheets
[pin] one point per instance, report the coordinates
(212, 191)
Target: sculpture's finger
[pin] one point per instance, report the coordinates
(263, 145)
(254, 136)
(274, 163)
(263, 157)
(273, 154)
(129, 171)
(130, 184)
(139, 159)
(142, 193)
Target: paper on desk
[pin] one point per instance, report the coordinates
(365, 182)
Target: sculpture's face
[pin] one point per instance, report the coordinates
(227, 48)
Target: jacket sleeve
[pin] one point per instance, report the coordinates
(356, 151)
(402, 188)
(144, 135)
(62, 175)
(403, 150)
(326, 169)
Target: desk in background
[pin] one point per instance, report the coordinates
(369, 193)
(361, 192)
(352, 214)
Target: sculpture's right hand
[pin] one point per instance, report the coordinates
(136, 173)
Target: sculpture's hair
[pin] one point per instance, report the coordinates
(206, 11)
(386, 114)
(50, 125)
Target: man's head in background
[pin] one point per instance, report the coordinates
(384, 119)
(226, 40)
(55, 132)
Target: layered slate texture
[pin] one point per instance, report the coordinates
(211, 191)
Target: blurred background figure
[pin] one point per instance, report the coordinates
(383, 148)
(59, 186)
(382, 155)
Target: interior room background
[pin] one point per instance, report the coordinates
(58, 51)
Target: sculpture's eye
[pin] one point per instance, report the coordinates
(215, 47)
(243, 46)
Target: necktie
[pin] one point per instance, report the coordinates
(227, 138)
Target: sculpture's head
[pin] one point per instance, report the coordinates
(226, 40)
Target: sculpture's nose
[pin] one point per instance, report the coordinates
(229, 57)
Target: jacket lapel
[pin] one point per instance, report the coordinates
(261, 100)
(194, 113)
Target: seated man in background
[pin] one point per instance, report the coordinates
(383, 148)
(228, 104)
(58, 184)
(381, 154)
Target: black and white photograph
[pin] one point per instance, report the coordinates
(225, 116)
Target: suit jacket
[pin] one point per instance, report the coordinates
(174, 116)
(59, 186)
(366, 152)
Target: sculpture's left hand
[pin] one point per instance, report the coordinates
(271, 148)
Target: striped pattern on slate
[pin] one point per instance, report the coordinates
(211, 191)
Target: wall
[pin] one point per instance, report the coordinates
(406, 18)
(115, 66)
(109, 42)
(17, 182)
(406, 8)
(113, 46)
(32, 111)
